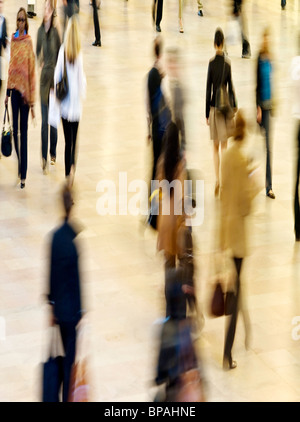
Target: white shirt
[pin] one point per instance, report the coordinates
(295, 76)
(71, 106)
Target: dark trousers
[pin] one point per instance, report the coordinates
(159, 10)
(230, 334)
(20, 110)
(96, 22)
(68, 336)
(265, 124)
(283, 3)
(70, 132)
(296, 199)
(44, 134)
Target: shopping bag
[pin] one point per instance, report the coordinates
(54, 110)
(52, 371)
(218, 303)
(79, 382)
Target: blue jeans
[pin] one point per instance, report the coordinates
(20, 109)
(283, 3)
(265, 124)
(53, 134)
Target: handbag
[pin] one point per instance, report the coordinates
(218, 301)
(222, 101)
(230, 302)
(6, 143)
(79, 382)
(52, 372)
(62, 87)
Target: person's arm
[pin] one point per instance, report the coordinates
(231, 92)
(208, 92)
(31, 79)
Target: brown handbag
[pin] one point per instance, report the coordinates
(218, 301)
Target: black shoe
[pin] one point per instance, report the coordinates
(246, 55)
(229, 364)
(271, 194)
(22, 185)
(97, 44)
(158, 28)
(200, 13)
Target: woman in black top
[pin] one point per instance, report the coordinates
(220, 128)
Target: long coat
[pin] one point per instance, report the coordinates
(236, 194)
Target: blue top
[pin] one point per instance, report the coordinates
(265, 74)
(17, 33)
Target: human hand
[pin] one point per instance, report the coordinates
(207, 122)
(6, 101)
(258, 115)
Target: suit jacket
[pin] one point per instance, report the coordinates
(236, 196)
(64, 288)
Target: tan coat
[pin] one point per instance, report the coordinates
(236, 194)
(168, 225)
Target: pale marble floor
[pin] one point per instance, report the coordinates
(122, 273)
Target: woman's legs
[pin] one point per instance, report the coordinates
(217, 160)
(70, 132)
(230, 334)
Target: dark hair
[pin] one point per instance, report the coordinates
(67, 200)
(219, 37)
(171, 151)
(157, 46)
(26, 20)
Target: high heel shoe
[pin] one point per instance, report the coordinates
(229, 364)
(181, 30)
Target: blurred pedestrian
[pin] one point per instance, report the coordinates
(239, 14)
(65, 287)
(219, 71)
(265, 103)
(3, 37)
(176, 93)
(21, 88)
(295, 77)
(47, 48)
(97, 42)
(157, 12)
(70, 7)
(71, 106)
(171, 169)
(200, 8)
(236, 194)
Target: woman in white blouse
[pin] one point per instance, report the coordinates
(71, 105)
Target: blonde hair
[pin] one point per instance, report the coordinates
(72, 40)
(240, 126)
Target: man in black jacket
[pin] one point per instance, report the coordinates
(64, 289)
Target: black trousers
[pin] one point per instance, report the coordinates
(70, 132)
(230, 334)
(96, 22)
(20, 111)
(68, 336)
(159, 10)
(296, 198)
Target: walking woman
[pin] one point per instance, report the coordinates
(21, 88)
(264, 103)
(71, 106)
(171, 168)
(47, 48)
(238, 189)
(219, 71)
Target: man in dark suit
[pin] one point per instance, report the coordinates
(64, 288)
(3, 36)
(157, 11)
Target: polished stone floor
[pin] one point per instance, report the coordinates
(122, 274)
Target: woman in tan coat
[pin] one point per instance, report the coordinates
(236, 194)
(171, 169)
